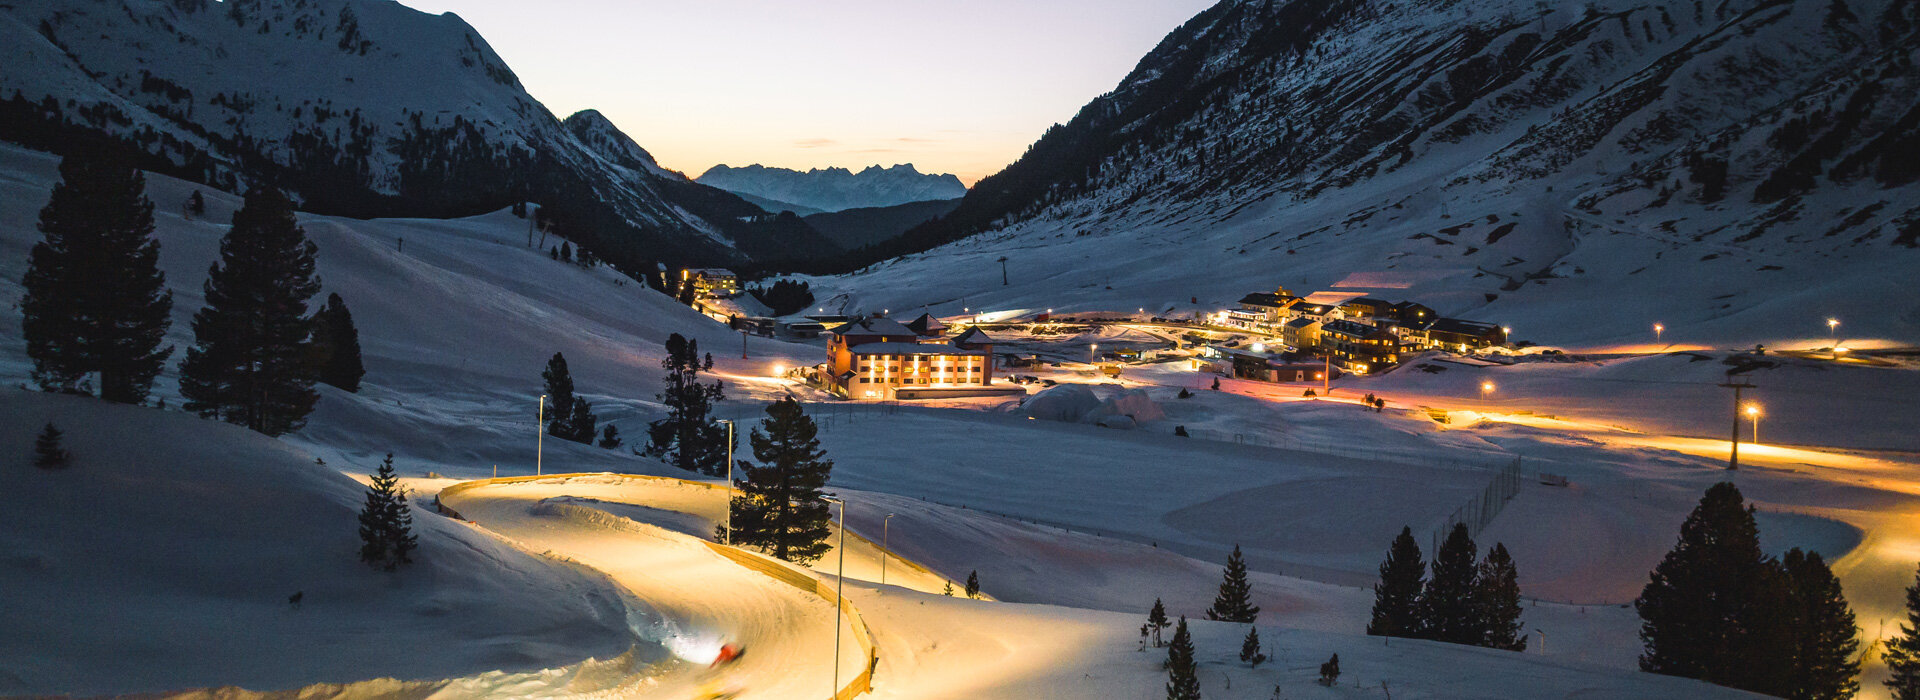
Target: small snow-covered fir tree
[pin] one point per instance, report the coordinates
(1250, 648)
(47, 452)
(1234, 602)
(1183, 683)
(1157, 621)
(1330, 671)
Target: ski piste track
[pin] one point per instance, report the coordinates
(452, 498)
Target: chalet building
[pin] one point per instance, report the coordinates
(879, 358)
(1454, 335)
(711, 281)
(1358, 347)
(1409, 312)
(1300, 334)
(1367, 308)
(927, 326)
(1262, 366)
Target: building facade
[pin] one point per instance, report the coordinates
(876, 358)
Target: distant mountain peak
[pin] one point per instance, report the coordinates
(836, 188)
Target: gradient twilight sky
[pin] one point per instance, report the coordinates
(948, 85)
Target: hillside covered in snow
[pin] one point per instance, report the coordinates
(1746, 164)
(358, 108)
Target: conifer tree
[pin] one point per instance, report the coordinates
(1157, 620)
(1497, 597)
(779, 508)
(1826, 638)
(334, 351)
(1396, 598)
(1234, 603)
(948, 591)
(1250, 648)
(569, 417)
(196, 204)
(1447, 609)
(95, 298)
(1183, 683)
(1330, 671)
(386, 523)
(1712, 608)
(1903, 650)
(566, 252)
(688, 437)
(248, 364)
(973, 584)
(610, 437)
(47, 452)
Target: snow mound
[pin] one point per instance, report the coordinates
(164, 557)
(1077, 403)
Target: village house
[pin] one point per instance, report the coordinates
(1454, 335)
(1358, 347)
(711, 281)
(879, 358)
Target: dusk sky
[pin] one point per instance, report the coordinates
(960, 87)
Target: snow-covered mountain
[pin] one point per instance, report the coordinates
(834, 189)
(358, 107)
(1737, 165)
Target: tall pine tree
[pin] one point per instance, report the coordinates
(779, 508)
(95, 298)
(1396, 598)
(1157, 620)
(1183, 681)
(386, 523)
(248, 364)
(1234, 603)
(569, 417)
(1903, 650)
(334, 351)
(1497, 599)
(688, 437)
(1826, 639)
(1713, 607)
(1447, 610)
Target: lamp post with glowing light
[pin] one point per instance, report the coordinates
(727, 539)
(540, 443)
(1090, 353)
(840, 582)
(886, 526)
(1486, 388)
(1753, 414)
(1657, 330)
(1833, 325)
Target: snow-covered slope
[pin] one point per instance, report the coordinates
(1577, 170)
(834, 189)
(359, 107)
(164, 556)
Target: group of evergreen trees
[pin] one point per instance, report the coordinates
(1903, 651)
(1463, 603)
(784, 296)
(1720, 610)
(689, 437)
(96, 303)
(779, 508)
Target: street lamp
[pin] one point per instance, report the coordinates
(1486, 388)
(886, 526)
(727, 538)
(1753, 414)
(1657, 330)
(540, 443)
(1832, 325)
(840, 582)
(1090, 350)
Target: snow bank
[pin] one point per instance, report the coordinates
(164, 558)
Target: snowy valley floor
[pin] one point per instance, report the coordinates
(1074, 529)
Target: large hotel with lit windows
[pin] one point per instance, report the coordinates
(879, 358)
